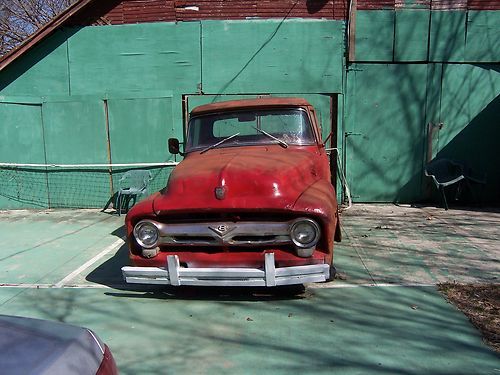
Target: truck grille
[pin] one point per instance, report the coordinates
(224, 234)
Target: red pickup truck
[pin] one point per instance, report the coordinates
(251, 204)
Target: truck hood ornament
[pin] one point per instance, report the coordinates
(220, 192)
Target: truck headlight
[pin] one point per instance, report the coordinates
(305, 233)
(146, 234)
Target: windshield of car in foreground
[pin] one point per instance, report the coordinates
(250, 127)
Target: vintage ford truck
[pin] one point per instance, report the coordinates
(251, 204)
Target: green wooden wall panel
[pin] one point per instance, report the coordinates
(75, 133)
(433, 109)
(271, 56)
(447, 36)
(21, 141)
(411, 35)
(42, 71)
(385, 131)
(374, 36)
(455, 93)
(485, 84)
(142, 57)
(483, 36)
(139, 130)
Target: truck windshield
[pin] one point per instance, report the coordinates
(286, 126)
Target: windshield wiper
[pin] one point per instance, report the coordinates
(281, 143)
(219, 143)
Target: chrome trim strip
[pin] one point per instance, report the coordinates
(174, 274)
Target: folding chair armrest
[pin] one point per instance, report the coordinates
(454, 181)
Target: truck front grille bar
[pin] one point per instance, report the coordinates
(174, 274)
(242, 233)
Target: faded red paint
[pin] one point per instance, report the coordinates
(132, 11)
(261, 180)
(375, 4)
(248, 104)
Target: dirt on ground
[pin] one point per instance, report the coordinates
(481, 304)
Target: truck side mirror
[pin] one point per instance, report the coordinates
(174, 146)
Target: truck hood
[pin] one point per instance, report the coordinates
(253, 178)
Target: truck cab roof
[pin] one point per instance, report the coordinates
(260, 103)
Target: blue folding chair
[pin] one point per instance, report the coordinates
(132, 184)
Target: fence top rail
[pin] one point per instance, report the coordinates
(105, 165)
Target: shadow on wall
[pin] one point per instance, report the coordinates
(90, 16)
(476, 146)
(411, 73)
(51, 59)
(314, 6)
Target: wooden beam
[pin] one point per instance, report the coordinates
(352, 31)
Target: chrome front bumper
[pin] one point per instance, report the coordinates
(174, 274)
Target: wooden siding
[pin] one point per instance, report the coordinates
(140, 11)
(119, 12)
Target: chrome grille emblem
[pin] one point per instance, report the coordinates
(222, 229)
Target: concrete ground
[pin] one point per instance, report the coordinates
(383, 316)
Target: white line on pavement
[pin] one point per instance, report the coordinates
(113, 247)
(99, 286)
(366, 285)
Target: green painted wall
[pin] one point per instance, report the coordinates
(43, 71)
(138, 74)
(21, 141)
(389, 107)
(384, 139)
(144, 57)
(411, 35)
(413, 67)
(374, 35)
(407, 35)
(272, 57)
(470, 114)
(447, 36)
(449, 75)
(138, 131)
(74, 133)
(483, 41)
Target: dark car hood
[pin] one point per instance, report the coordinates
(254, 177)
(33, 346)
